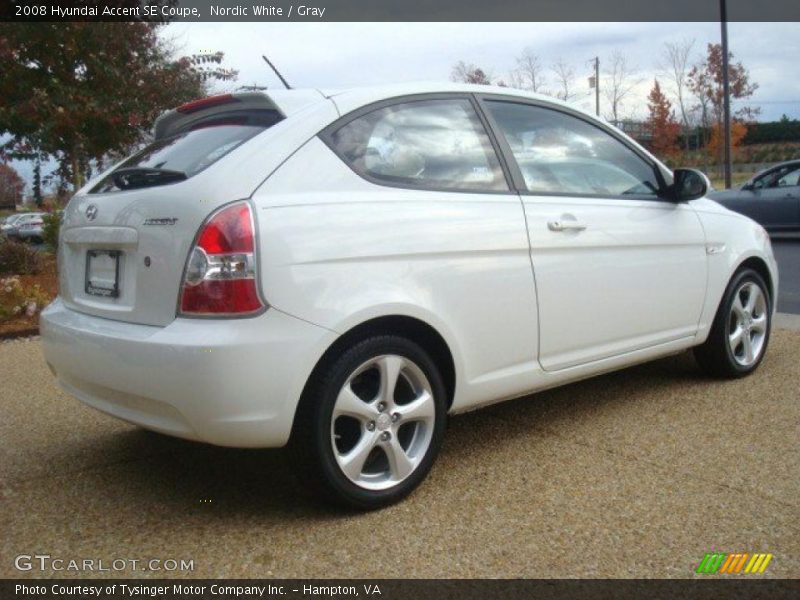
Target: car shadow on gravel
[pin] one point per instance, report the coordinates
(192, 478)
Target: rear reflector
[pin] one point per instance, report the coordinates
(220, 275)
(203, 103)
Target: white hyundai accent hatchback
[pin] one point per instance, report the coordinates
(344, 270)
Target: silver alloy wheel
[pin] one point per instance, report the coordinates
(382, 422)
(747, 324)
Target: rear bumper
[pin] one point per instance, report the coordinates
(232, 382)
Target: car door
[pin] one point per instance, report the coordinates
(777, 203)
(617, 268)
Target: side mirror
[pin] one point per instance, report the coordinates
(748, 187)
(689, 184)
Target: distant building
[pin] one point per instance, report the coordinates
(638, 130)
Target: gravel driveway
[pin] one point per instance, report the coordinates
(634, 474)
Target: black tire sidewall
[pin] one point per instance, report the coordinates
(341, 487)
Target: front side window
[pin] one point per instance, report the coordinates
(432, 144)
(561, 154)
(789, 178)
(766, 180)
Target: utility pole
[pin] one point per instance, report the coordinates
(597, 84)
(726, 92)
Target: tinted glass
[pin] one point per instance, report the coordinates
(559, 153)
(434, 144)
(189, 152)
(790, 178)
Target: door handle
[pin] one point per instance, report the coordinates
(566, 226)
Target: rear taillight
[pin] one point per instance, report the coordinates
(220, 275)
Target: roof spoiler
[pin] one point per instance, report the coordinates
(216, 109)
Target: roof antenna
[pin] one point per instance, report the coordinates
(271, 66)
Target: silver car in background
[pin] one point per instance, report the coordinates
(7, 224)
(28, 227)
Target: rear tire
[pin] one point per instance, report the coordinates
(740, 332)
(371, 423)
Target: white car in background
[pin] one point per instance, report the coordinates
(343, 271)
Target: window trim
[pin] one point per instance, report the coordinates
(326, 135)
(516, 172)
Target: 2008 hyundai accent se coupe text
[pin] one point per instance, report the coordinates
(342, 270)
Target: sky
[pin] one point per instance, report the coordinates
(341, 55)
(336, 55)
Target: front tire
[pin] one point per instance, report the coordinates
(740, 333)
(371, 423)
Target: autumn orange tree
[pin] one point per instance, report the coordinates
(715, 140)
(79, 91)
(662, 123)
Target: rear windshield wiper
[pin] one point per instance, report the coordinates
(137, 177)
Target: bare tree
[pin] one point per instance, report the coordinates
(565, 79)
(515, 80)
(469, 73)
(529, 70)
(675, 63)
(620, 79)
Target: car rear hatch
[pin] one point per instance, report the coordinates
(125, 237)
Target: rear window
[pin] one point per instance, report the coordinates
(188, 153)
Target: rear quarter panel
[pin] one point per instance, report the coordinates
(337, 251)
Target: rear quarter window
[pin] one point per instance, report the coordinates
(428, 144)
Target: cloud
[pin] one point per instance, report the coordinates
(341, 55)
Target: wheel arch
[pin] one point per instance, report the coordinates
(744, 249)
(759, 265)
(412, 328)
(715, 354)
